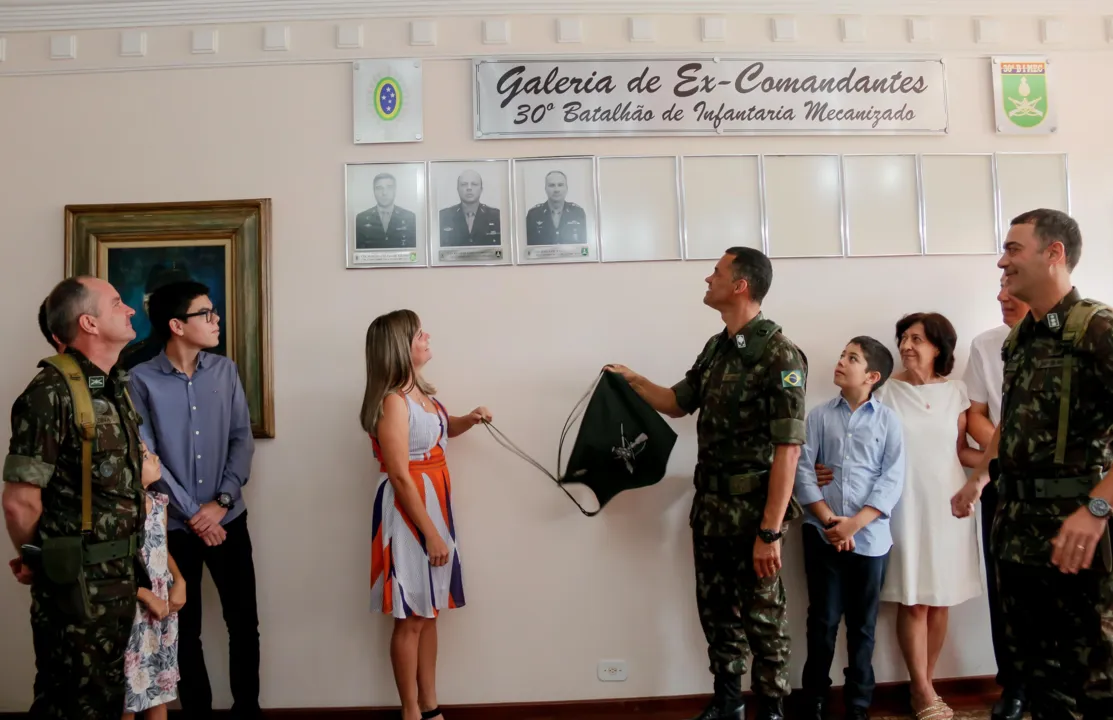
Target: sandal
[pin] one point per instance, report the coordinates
(430, 714)
(937, 710)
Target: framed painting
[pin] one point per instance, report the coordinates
(223, 244)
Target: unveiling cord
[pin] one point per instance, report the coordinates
(577, 411)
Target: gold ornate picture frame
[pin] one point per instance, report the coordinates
(224, 244)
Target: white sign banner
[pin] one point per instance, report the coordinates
(573, 97)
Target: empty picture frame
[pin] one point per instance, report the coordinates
(639, 202)
(722, 204)
(469, 212)
(1026, 181)
(385, 215)
(556, 210)
(882, 196)
(959, 204)
(803, 205)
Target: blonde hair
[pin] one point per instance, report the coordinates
(390, 367)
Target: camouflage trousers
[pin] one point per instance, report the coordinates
(79, 668)
(1059, 629)
(743, 616)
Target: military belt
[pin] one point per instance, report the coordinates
(111, 550)
(1068, 488)
(743, 484)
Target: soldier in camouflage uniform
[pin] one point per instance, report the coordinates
(79, 658)
(1049, 458)
(748, 386)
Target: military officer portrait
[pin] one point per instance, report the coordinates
(386, 225)
(470, 223)
(557, 221)
(556, 209)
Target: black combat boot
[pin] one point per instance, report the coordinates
(1010, 706)
(770, 709)
(857, 712)
(727, 703)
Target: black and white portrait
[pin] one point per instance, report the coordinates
(558, 207)
(386, 207)
(471, 202)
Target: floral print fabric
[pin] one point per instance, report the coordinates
(151, 659)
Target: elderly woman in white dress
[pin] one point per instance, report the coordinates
(934, 563)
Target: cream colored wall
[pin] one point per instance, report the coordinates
(549, 592)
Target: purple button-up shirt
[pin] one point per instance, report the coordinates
(200, 428)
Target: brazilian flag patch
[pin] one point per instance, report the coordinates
(792, 378)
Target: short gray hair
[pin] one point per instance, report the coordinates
(66, 303)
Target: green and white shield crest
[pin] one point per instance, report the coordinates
(1024, 93)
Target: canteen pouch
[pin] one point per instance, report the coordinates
(63, 564)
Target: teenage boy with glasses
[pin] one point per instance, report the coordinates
(195, 417)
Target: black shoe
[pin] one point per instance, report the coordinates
(770, 709)
(857, 712)
(1009, 707)
(719, 709)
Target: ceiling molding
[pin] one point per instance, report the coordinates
(33, 15)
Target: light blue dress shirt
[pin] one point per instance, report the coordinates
(865, 449)
(200, 428)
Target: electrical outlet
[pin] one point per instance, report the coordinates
(612, 670)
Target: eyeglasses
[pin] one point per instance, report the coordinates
(207, 313)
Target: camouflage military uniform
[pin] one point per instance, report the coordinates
(1059, 627)
(80, 663)
(746, 407)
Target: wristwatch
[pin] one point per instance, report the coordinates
(224, 500)
(1099, 508)
(769, 536)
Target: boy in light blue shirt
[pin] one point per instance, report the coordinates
(846, 526)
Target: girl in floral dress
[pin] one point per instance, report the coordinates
(151, 659)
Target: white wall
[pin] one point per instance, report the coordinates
(549, 591)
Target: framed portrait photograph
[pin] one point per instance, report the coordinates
(470, 212)
(224, 245)
(557, 201)
(385, 215)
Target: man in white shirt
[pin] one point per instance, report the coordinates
(984, 379)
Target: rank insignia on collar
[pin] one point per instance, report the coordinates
(740, 341)
(1053, 320)
(96, 381)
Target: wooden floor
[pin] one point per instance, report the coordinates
(959, 715)
(672, 715)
